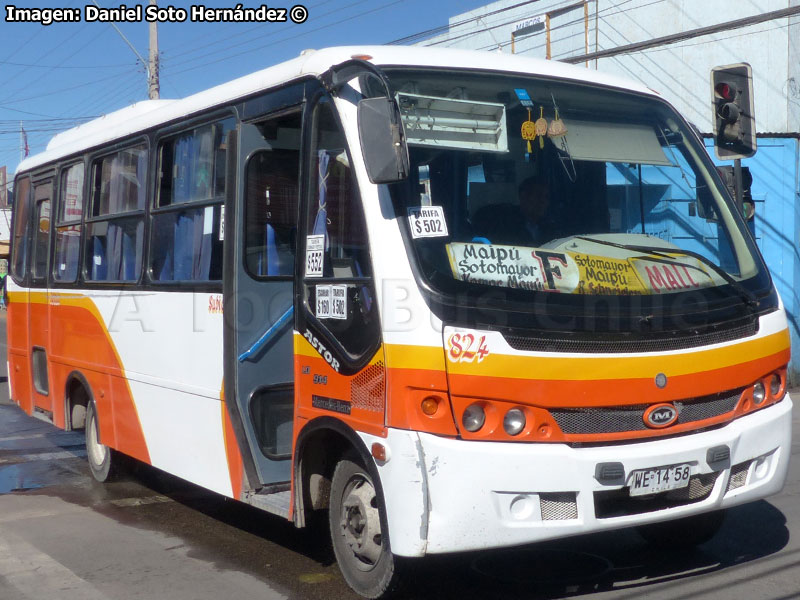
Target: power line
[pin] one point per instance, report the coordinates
(305, 33)
(686, 35)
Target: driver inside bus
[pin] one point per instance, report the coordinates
(525, 224)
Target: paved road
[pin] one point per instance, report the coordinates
(151, 536)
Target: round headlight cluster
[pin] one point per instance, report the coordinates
(759, 393)
(774, 384)
(474, 418)
(514, 421)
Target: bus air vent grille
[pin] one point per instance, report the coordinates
(738, 476)
(368, 388)
(619, 419)
(618, 343)
(558, 506)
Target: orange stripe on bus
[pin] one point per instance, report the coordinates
(78, 340)
(232, 452)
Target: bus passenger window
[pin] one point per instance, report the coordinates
(187, 238)
(68, 230)
(114, 243)
(271, 198)
(22, 236)
(41, 227)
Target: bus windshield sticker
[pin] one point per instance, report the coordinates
(315, 248)
(323, 293)
(427, 221)
(221, 225)
(539, 269)
(331, 301)
(687, 273)
(339, 302)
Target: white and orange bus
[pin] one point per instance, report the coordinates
(458, 300)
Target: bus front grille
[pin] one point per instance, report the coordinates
(619, 419)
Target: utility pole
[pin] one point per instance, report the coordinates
(152, 75)
(152, 66)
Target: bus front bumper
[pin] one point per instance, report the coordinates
(448, 495)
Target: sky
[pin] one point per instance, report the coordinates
(57, 76)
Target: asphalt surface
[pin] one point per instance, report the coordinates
(153, 536)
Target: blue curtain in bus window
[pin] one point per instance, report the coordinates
(99, 264)
(184, 241)
(184, 244)
(273, 259)
(67, 249)
(203, 164)
(321, 220)
(184, 156)
(203, 222)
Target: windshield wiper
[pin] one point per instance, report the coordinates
(744, 294)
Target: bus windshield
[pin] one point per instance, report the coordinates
(537, 185)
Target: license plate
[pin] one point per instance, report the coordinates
(659, 479)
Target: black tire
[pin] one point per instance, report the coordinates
(357, 526)
(102, 459)
(683, 534)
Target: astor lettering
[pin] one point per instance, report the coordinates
(322, 349)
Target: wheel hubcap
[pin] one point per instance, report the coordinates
(360, 522)
(96, 450)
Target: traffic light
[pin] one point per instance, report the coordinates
(734, 114)
(729, 178)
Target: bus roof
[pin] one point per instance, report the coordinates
(152, 113)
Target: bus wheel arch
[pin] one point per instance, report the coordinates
(77, 396)
(320, 446)
(335, 471)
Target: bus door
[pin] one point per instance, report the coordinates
(263, 291)
(38, 306)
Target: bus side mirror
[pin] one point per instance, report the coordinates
(383, 141)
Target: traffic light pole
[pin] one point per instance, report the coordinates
(737, 175)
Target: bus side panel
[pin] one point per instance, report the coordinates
(81, 342)
(320, 391)
(59, 372)
(18, 348)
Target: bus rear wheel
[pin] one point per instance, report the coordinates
(102, 459)
(359, 543)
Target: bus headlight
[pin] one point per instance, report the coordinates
(758, 393)
(514, 421)
(774, 385)
(473, 418)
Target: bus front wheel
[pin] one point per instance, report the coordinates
(359, 543)
(101, 458)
